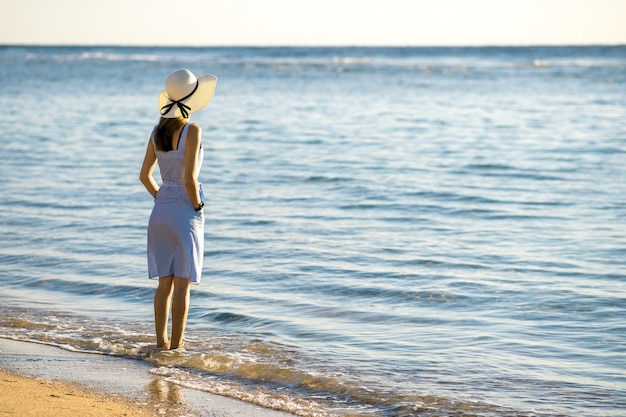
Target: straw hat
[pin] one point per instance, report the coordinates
(185, 94)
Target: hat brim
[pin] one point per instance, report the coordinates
(198, 101)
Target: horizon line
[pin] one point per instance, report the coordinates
(106, 45)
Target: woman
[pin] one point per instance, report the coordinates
(176, 226)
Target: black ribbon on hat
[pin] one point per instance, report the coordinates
(184, 109)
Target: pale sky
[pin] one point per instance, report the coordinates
(314, 22)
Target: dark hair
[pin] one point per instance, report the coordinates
(165, 131)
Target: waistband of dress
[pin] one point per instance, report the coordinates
(172, 183)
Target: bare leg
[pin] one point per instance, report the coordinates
(162, 299)
(180, 308)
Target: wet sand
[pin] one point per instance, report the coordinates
(38, 380)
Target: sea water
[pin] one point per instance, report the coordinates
(389, 231)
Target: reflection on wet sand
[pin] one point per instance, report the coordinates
(166, 397)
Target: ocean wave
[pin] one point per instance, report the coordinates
(271, 375)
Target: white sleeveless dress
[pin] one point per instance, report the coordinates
(175, 229)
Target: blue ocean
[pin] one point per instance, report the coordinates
(389, 231)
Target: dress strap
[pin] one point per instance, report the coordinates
(182, 138)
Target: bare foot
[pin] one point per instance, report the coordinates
(181, 346)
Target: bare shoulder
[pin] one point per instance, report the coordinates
(194, 136)
(195, 128)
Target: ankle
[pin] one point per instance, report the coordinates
(177, 345)
(163, 345)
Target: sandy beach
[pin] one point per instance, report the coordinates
(27, 396)
(38, 380)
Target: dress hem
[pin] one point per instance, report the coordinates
(155, 277)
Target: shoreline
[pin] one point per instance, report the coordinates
(35, 377)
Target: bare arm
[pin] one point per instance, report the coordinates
(145, 176)
(191, 163)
